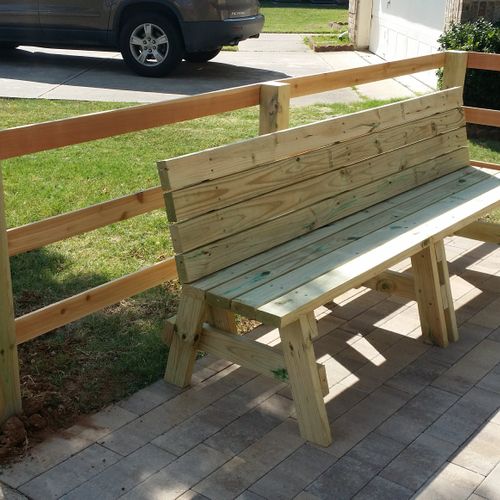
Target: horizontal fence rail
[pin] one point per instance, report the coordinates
(61, 227)
(482, 116)
(68, 310)
(45, 136)
(38, 137)
(482, 60)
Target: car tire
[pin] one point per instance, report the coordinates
(151, 45)
(201, 57)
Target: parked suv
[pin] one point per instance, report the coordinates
(152, 35)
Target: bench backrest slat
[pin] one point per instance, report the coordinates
(305, 178)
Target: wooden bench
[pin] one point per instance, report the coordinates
(274, 227)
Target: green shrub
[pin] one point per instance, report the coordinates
(481, 87)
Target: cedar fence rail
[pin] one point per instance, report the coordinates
(273, 99)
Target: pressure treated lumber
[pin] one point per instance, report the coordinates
(446, 296)
(61, 313)
(231, 283)
(387, 247)
(455, 67)
(485, 164)
(304, 381)
(195, 168)
(342, 177)
(430, 301)
(10, 390)
(379, 214)
(482, 60)
(188, 328)
(250, 354)
(217, 255)
(482, 116)
(274, 111)
(39, 234)
(393, 283)
(488, 232)
(221, 192)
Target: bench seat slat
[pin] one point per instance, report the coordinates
(212, 195)
(339, 271)
(410, 202)
(217, 255)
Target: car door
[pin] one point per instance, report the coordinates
(19, 21)
(75, 22)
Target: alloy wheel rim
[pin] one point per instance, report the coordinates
(149, 44)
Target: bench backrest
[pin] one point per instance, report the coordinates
(232, 202)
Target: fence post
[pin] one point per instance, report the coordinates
(455, 66)
(10, 389)
(274, 107)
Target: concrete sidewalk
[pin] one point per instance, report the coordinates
(32, 72)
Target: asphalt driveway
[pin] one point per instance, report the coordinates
(33, 72)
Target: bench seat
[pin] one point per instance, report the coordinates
(279, 285)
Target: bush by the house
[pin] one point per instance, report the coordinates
(481, 87)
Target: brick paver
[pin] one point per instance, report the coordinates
(408, 419)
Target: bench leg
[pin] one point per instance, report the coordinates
(182, 355)
(433, 293)
(296, 340)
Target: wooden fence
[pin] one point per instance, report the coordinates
(273, 99)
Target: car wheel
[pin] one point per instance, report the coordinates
(201, 57)
(151, 45)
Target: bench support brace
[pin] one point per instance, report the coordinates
(433, 293)
(296, 340)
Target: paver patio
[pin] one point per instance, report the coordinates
(408, 419)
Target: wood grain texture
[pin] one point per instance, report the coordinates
(10, 389)
(222, 192)
(219, 224)
(485, 165)
(446, 295)
(58, 228)
(481, 60)
(312, 84)
(455, 66)
(55, 134)
(206, 260)
(374, 212)
(274, 113)
(61, 313)
(272, 264)
(300, 360)
(183, 349)
(366, 257)
(195, 168)
(429, 298)
(482, 231)
(482, 116)
(393, 283)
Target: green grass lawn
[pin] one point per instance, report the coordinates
(301, 18)
(112, 353)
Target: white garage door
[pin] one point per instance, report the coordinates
(406, 28)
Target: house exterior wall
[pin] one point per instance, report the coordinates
(406, 28)
(429, 15)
